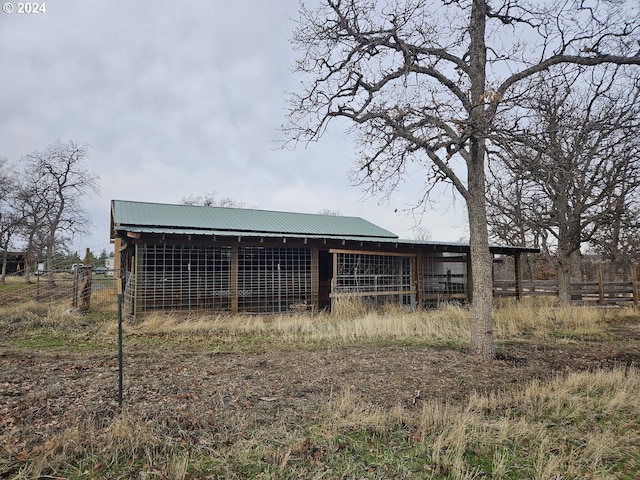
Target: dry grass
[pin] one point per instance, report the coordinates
(577, 425)
(541, 319)
(352, 322)
(584, 425)
(448, 325)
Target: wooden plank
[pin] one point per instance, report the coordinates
(315, 278)
(443, 296)
(418, 279)
(600, 285)
(372, 294)
(334, 279)
(368, 252)
(518, 267)
(634, 284)
(234, 279)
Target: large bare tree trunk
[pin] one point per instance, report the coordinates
(482, 339)
(569, 267)
(564, 281)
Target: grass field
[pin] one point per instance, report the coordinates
(392, 394)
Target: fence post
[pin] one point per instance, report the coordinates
(82, 288)
(634, 284)
(120, 357)
(600, 284)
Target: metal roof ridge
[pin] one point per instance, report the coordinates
(255, 233)
(186, 205)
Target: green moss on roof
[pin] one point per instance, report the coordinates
(128, 215)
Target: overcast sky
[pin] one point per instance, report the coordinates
(178, 99)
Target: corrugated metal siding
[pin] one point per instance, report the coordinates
(169, 217)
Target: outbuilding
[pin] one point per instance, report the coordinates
(197, 258)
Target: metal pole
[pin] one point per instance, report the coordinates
(120, 358)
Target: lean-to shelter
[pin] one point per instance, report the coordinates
(237, 260)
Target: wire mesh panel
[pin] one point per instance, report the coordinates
(386, 278)
(272, 280)
(184, 277)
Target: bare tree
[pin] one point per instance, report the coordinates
(52, 199)
(9, 220)
(573, 161)
(421, 82)
(330, 212)
(211, 200)
(618, 241)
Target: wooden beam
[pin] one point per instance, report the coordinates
(416, 267)
(634, 284)
(517, 265)
(369, 252)
(334, 279)
(600, 284)
(234, 279)
(372, 294)
(315, 278)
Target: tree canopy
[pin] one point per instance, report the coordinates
(421, 83)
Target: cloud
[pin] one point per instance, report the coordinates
(175, 99)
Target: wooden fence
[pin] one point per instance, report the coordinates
(599, 292)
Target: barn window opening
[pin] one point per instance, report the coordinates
(375, 278)
(444, 277)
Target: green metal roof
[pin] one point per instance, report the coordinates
(168, 218)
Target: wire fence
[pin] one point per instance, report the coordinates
(80, 288)
(86, 288)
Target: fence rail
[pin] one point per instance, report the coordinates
(600, 292)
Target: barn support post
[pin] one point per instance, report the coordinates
(234, 279)
(117, 259)
(315, 279)
(470, 278)
(334, 280)
(517, 265)
(279, 289)
(417, 281)
(189, 287)
(137, 265)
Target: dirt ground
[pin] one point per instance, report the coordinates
(43, 393)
